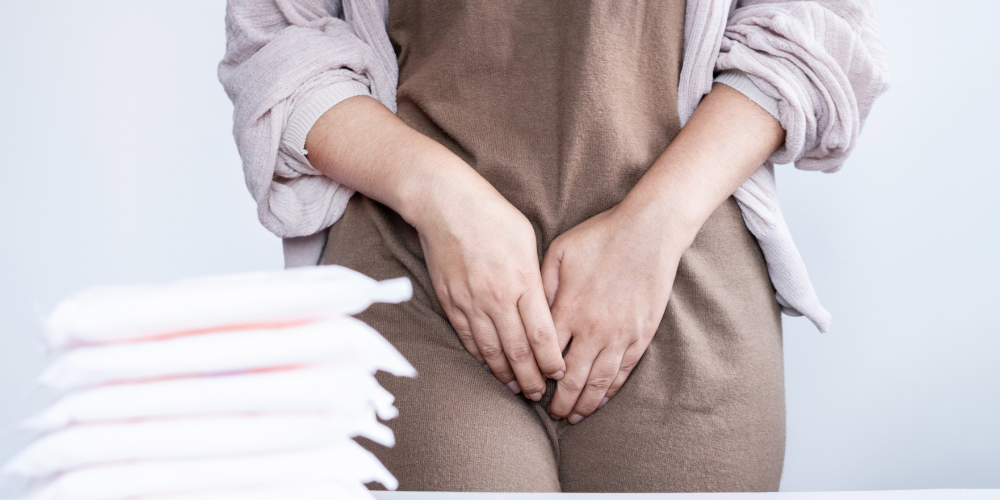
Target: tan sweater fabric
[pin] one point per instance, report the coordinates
(563, 113)
(557, 106)
(821, 60)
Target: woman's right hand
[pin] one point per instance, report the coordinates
(480, 250)
(482, 257)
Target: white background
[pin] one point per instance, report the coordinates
(118, 166)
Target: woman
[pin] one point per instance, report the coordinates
(581, 211)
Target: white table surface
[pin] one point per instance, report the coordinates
(834, 495)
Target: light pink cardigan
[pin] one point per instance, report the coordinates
(818, 65)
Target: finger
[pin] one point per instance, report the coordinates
(519, 353)
(561, 323)
(551, 268)
(488, 342)
(550, 272)
(629, 361)
(464, 330)
(602, 374)
(541, 333)
(579, 361)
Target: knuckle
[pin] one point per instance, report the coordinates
(571, 384)
(541, 335)
(494, 290)
(599, 383)
(465, 335)
(519, 353)
(490, 351)
(621, 342)
(455, 296)
(593, 324)
(523, 277)
(627, 367)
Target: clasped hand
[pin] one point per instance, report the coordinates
(602, 287)
(601, 290)
(608, 281)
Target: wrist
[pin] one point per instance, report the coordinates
(435, 185)
(724, 141)
(672, 216)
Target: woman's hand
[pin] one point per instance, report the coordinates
(482, 258)
(480, 250)
(608, 280)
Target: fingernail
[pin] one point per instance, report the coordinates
(557, 375)
(535, 396)
(603, 402)
(514, 387)
(488, 368)
(575, 419)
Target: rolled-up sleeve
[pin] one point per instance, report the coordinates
(286, 63)
(822, 61)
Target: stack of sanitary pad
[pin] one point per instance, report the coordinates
(236, 387)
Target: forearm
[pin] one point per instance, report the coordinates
(480, 251)
(727, 138)
(361, 144)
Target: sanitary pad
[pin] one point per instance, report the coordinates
(180, 438)
(323, 389)
(118, 313)
(342, 341)
(347, 463)
(246, 387)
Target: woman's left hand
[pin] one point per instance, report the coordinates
(608, 281)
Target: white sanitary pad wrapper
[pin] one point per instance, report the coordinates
(198, 437)
(342, 341)
(344, 391)
(346, 464)
(240, 387)
(119, 313)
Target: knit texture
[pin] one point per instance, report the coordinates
(703, 410)
(822, 61)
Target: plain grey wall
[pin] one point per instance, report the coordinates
(118, 166)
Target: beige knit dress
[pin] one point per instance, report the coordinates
(562, 105)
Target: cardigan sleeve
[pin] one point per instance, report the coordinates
(287, 62)
(742, 83)
(821, 60)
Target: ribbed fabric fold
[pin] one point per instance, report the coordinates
(740, 82)
(305, 115)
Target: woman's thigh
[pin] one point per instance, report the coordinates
(459, 428)
(704, 409)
